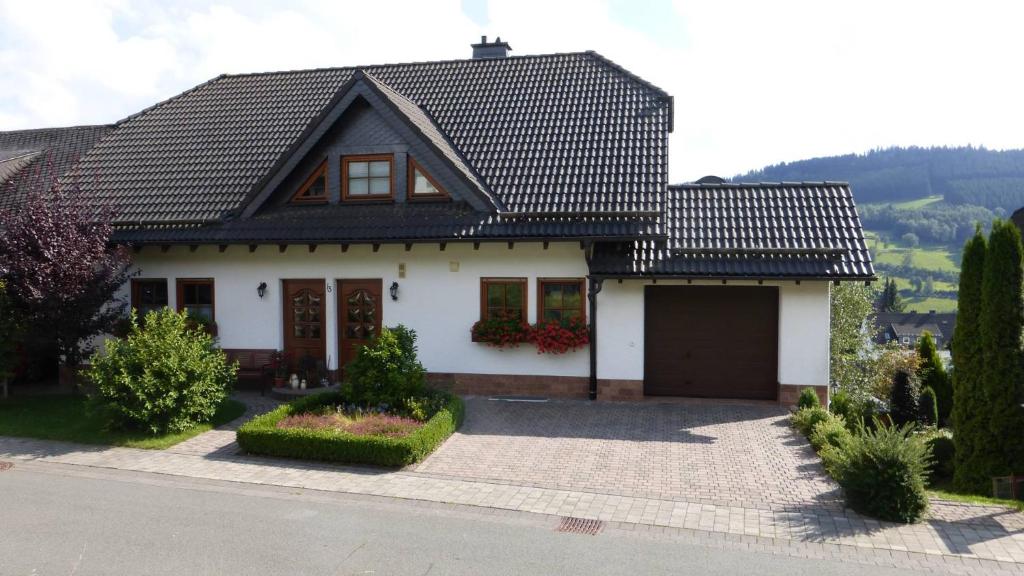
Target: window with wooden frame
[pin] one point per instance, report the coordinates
(502, 297)
(367, 177)
(561, 299)
(148, 294)
(314, 189)
(422, 185)
(196, 295)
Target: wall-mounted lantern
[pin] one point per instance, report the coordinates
(262, 289)
(394, 291)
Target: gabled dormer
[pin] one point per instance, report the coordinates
(373, 146)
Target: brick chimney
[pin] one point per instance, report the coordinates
(485, 49)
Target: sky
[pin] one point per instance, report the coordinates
(755, 82)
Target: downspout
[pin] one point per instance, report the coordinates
(592, 292)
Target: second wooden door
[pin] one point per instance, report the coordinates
(359, 316)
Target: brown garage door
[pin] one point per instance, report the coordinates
(711, 341)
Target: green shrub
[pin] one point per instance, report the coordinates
(943, 454)
(842, 404)
(903, 399)
(808, 399)
(830, 432)
(932, 374)
(163, 379)
(927, 408)
(883, 472)
(386, 371)
(805, 420)
(262, 436)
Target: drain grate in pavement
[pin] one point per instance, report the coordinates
(6, 465)
(580, 526)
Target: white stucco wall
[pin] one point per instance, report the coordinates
(803, 329)
(442, 305)
(439, 304)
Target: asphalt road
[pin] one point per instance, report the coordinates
(80, 521)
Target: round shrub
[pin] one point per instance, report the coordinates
(831, 432)
(883, 472)
(808, 399)
(805, 420)
(386, 371)
(928, 407)
(163, 378)
(842, 404)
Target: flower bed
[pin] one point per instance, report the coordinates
(326, 427)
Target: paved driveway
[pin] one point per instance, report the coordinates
(732, 454)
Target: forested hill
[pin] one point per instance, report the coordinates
(963, 175)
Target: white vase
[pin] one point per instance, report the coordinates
(294, 381)
(302, 385)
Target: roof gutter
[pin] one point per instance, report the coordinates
(583, 213)
(656, 277)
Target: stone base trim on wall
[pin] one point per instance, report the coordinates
(535, 385)
(789, 393)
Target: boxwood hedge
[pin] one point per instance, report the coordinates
(262, 436)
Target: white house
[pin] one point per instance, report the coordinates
(305, 210)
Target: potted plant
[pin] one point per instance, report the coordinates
(554, 337)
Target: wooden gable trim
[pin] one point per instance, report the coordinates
(320, 172)
(411, 196)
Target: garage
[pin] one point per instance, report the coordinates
(711, 341)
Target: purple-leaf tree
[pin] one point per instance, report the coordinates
(60, 270)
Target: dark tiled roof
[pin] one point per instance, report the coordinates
(555, 133)
(337, 223)
(913, 324)
(34, 157)
(769, 230)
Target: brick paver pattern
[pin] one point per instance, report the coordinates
(752, 496)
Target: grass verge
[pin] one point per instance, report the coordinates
(944, 491)
(73, 419)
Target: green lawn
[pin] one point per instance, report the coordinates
(71, 418)
(920, 304)
(944, 490)
(918, 203)
(921, 258)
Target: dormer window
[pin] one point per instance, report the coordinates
(314, 189)
(421, 184)
(367, 177)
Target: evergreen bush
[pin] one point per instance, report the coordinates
(927, 408)
(883, 473)
(932, 374)
(831, 432)
(968, 418)
(166, 378)
(1002, 375)
(808, 399)
(903, 399)
(842, 404)
(805, 420)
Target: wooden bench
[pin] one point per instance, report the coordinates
(253, 366)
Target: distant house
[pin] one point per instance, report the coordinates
(1018, 219)
(908, 327)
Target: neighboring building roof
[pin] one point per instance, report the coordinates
(561, 133)
(914, 324)
(32, 157)
(767, 230)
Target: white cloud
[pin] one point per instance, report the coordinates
(755, 82)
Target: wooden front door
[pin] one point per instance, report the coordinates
(304, 327)
(359, 316)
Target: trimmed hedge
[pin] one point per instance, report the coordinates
(262, 436)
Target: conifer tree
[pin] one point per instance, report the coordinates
(1002, 323)
(969, 424)
(932, 374)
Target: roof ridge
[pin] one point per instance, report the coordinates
(408, 63)
(75, 127)
(167, 100)
(759, 184)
